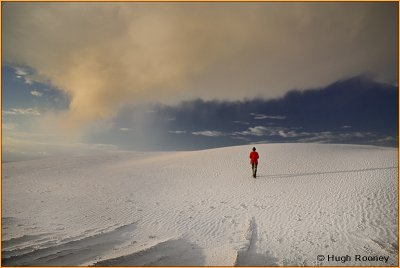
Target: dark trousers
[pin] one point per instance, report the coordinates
(254, 168)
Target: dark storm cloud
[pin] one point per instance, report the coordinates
(357, 110)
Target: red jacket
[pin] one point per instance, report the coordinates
(254, 157)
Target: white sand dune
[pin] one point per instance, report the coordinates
(204, 208)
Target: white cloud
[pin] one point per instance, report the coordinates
(209, 133)
(177, 131)
(386, 139)
(253, 131)
(327, 136)
(319, 137)
(262, 131)
(21, 73)
(257, 131)
(291, 134)
(262, 116)
(356, 135)
(21, 111)
(28, 80)
(346, 126)
(36, 93)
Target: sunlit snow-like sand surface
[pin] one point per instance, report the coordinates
(203, 207)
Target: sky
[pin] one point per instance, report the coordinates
(93, 77)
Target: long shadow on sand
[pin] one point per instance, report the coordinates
(248, 256)
(322, 173)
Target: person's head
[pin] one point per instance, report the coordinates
(254, 149)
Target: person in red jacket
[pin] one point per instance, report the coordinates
(254, 161)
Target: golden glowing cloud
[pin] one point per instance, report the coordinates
(105, 55)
